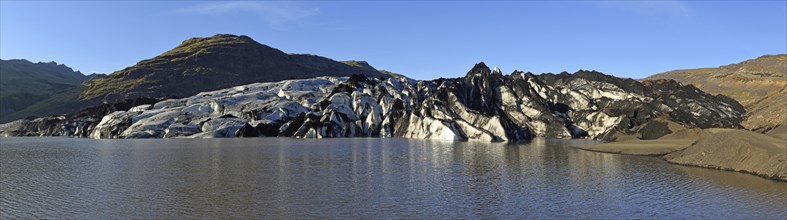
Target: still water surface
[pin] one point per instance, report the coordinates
(362, 178)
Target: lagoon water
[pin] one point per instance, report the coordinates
(362, 178)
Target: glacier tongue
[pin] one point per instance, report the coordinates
(482, 106)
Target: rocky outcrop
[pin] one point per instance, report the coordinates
(485, 105)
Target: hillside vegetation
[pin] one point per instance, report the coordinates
(210, 63)
(25, 84)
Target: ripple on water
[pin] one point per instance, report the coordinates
(362, 178)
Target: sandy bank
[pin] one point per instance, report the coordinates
(726, 149)
(680, 139)
(737, 150)
(642, 147)
(779, 132)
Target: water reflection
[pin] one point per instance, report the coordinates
(362, 178)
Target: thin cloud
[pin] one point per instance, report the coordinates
(275, 13)
(652, 8)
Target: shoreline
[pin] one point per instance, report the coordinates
(721, 149)
(640, 147)
(619, 153)
(726, 169)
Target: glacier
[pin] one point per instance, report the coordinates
(485, 105)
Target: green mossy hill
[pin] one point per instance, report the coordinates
(220, 61)
(24, 84)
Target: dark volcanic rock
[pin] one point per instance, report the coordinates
(694, 107)
(248, 131)
(479, 90)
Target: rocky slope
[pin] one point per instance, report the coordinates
(484, 105)
(747, 81)
(759, 84)
(25, 84)
(768, 113)
(220, 61)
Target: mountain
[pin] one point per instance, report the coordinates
(196, 65)
(759, 84)
(25, 84)
(210, 63)
(484, 105)
(747, 81)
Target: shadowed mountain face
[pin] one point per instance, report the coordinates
(759, 84)
(220, 61)
(747, 81)
(24, 84)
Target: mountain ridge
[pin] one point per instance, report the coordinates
(25, 83)
(746, 81)
(209, 63)
(759, 84)
(195, 65)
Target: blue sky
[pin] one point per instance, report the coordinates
(423, 40)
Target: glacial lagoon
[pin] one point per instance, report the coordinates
(49, 177)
